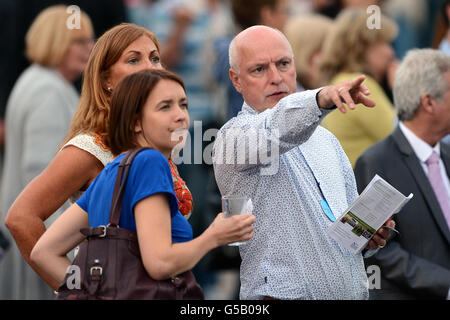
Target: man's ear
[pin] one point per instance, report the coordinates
(428, 103)
(234, 76)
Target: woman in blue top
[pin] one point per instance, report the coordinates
(148, 109)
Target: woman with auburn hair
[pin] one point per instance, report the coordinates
(147, 109)
(121, 51)
(352, 49)
(38, 114)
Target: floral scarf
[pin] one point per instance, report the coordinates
(182, 192)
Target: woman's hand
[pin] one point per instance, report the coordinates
(233, 229)
(162, 257)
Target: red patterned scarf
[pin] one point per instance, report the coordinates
(182, 192)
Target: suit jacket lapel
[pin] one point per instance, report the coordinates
(445, 155)
(413, 164)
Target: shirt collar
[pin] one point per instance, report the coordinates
(247, 109)
(422, 149)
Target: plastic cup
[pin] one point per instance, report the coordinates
(235, 204)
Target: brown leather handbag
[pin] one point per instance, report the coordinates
(110, 264)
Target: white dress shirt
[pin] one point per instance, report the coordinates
(423, 151)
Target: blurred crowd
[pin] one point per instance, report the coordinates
(331, 40)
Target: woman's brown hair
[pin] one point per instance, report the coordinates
(93, 111)
(127, 102)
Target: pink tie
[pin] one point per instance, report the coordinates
(435, 177)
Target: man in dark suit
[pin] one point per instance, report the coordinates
(415, 264)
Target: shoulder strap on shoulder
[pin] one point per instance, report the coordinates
(119, 187)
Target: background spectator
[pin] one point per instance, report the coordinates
(349, 50)
(444, 45)
(17, 16)
(416, 20)
(306, 34)
(38, 115)
(416, 263)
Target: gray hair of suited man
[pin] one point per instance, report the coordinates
(234, 58)
(421, 72)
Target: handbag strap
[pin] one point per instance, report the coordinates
(119, 186)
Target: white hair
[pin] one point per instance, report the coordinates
(233, 56)
(233, 52)
(421, 72)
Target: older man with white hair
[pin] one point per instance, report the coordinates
(295, 172)
(416, 263)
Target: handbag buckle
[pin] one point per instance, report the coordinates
(176, 281)
(96, 268)
(104, 232)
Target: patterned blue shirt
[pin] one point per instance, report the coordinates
(290, 255)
